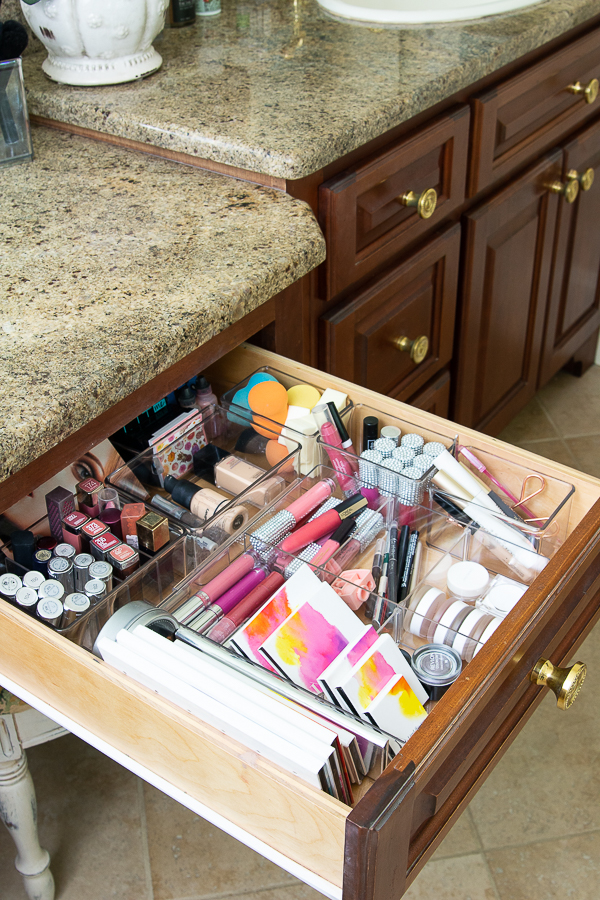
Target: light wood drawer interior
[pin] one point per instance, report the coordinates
(305, 825)
(361, 212)
(526, 114)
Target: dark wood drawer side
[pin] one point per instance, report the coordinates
(361, 213)
(394, 829)
(417, 299)
(525, 115)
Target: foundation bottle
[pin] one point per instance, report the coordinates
(205, 503)
(233, 474)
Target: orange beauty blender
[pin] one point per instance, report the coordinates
(269, 401)
(275, 452)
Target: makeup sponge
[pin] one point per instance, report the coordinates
(303, 395)
(268, 399)
(240, 398)
(275, 452)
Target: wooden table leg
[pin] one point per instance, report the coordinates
(18, 811)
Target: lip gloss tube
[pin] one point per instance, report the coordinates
(282, 523)
(328, 522)
(340, 462)
(215, 588)
(228, 600)
(333, 544)
(245, 608)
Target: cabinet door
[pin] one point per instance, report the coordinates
(508, 255)
(416, 299)
(434, 397)
(574, 307)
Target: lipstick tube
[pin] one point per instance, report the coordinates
(282, 523)
(87, 496)
(72, 524)
(230, 599)
(215, 588)
(246, 608)
(339, 461)
(325, 524)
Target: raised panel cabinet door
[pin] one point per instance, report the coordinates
(574, 307)
(415, 300)
(502, 303)
(527, 114)
(363, 212)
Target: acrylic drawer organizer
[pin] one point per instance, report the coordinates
(309, 454)
(192, 456)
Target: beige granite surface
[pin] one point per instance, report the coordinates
(278, 87)
(115, 265)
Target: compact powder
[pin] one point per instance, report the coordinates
(437, 667)
(502, 597)
(487, 634)
(450, 622)
(467, 580)
(424, 605)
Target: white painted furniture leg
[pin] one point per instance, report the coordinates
(18, 811)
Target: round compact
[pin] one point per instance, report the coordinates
(467, 580)
(437, 667)
(391, 432)
(52, 589)
(487, 634)
(423, 605)
(450, 622)
(502, 597)
(472, 627)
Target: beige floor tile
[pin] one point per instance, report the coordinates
(586, 451)
(460, 878)
(89, 821)
(461, 840)
(548, 783)
(191, 858)
(553, 870)
(531, 424)
(555, 449)
(573, 404)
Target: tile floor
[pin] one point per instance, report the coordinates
(532, 831)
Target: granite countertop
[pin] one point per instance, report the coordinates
(115, 265)
(280, 88)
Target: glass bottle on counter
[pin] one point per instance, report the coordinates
(181, 12)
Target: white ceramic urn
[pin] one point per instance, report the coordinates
(97, 41)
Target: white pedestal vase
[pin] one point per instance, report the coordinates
(92, 43)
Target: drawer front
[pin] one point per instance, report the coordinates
(306, 825)
(574, 304)
(525, 115)
(361, 211)
(415, 300)
(435, 397)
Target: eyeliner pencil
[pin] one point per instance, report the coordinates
(403, 539)
(408, 566)
(393, 564)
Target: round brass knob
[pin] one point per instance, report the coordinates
(586, 179)
(418, 348)
(589, 91)
(425, 202)
(566, 683)
(569, 189)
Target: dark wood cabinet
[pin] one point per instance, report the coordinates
(509, 241)
(435, 397)
(416, 299)
(574, 302)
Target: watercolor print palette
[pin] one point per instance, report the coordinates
(313, 636)
(396, 709)
(344, 663)
(174, 449)
(373, 673)
(247, 640)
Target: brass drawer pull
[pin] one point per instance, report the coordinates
(589, 91)
(569, 189)
(418, 348)
(566, 683)
(425, 202)
(586, 180)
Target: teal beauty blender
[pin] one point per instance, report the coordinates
(240, 398)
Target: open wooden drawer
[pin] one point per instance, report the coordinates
(371, 852)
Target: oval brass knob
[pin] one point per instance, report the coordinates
(589, 90)
(566, 683)
(418, 348)
(569, 188)
(425, 202)
(586, 179)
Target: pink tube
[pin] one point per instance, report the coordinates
(217, 586)
(313, 497)
(339, 461)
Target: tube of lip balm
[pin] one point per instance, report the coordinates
(245, 608)
(215, 588)
(228, 600)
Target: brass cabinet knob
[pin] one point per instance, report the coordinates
(425, 202)
(569, 188)
(586, 179)
(566, 683)
(418, 348)
(589, 91)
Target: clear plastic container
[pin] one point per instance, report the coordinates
(15, 135)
